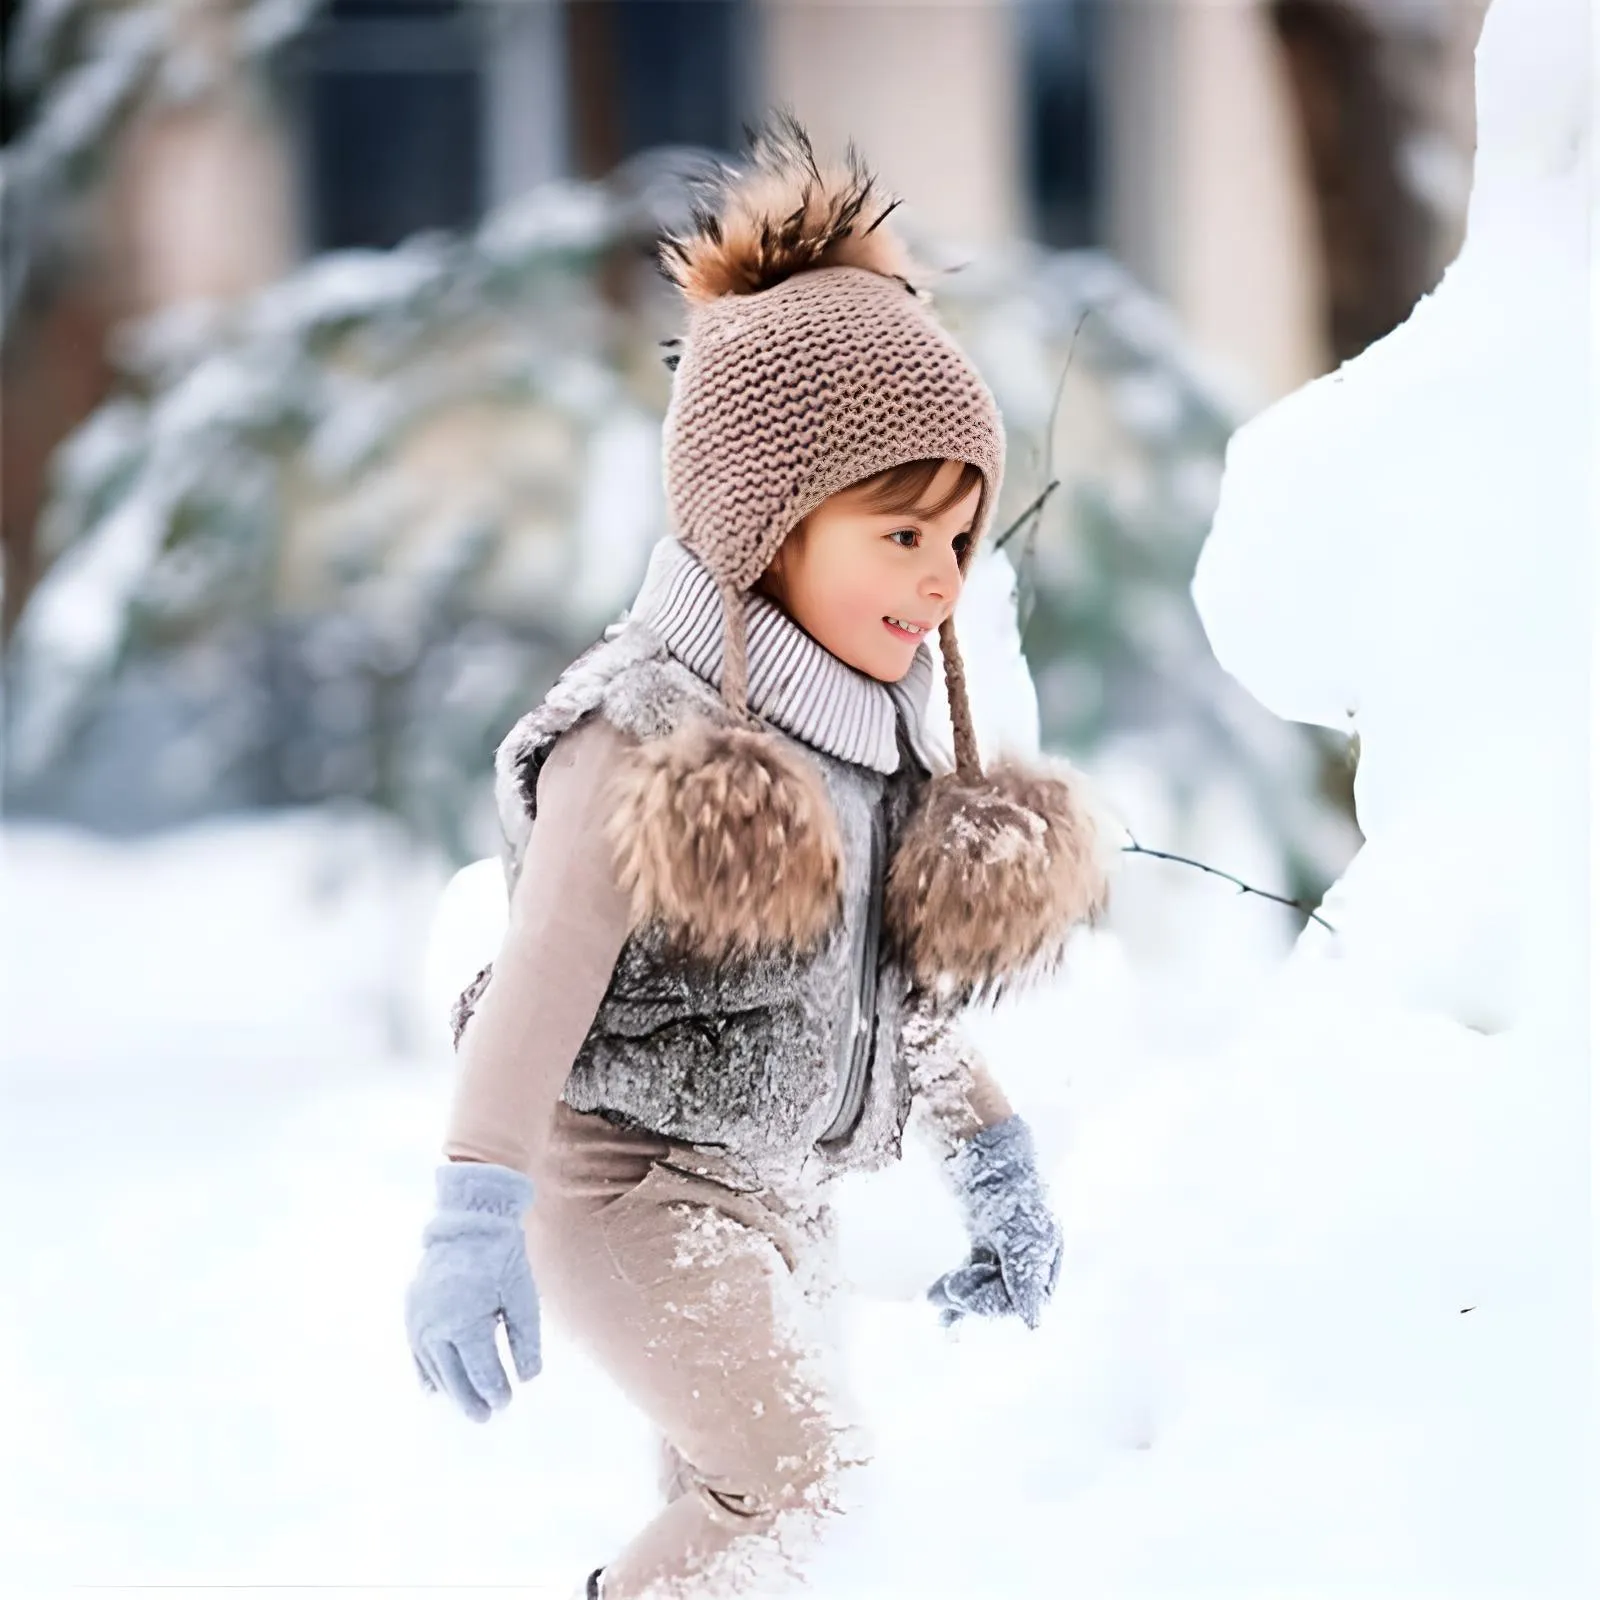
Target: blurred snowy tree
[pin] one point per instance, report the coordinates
(1103, 394)
(75, 70)
(324, 544)
(332, 541)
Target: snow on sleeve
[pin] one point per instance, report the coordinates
(1401, 549)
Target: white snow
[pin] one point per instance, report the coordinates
(74, 628)
(271, 23)
(1403, 548)
(561, 215)
(343, 286)
(620, 512)
(1259, 1376)
(1324, 1325)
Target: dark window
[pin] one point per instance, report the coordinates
(653, 72)
(1061, 78)
(391, 120)
(16, 99)
(677, 60)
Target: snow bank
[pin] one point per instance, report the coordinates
(280, 943)
(1402, 550)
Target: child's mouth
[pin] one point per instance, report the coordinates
(903, 630)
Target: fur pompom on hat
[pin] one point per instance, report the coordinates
(773, 227)
(812, 360)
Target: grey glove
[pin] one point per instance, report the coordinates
(1016, 1240)
(474, 1271)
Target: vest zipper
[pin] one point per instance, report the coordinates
(863, 1031)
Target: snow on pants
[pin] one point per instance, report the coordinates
(709, 1305)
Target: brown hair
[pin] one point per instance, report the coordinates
(902, 488)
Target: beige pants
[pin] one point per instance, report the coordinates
(710, 1305)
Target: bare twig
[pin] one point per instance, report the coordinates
(1030, 518)
(1244, 888)
(1035, 512)
(1032, 506)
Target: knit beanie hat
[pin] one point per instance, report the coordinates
(812, 360)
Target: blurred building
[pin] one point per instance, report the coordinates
(1248, 160)
(1288, 175)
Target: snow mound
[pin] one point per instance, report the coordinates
(1402, 549)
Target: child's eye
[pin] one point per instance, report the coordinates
(910, 538)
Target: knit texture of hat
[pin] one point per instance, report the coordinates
(811, 360)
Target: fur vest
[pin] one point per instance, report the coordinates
(781, 1059)
(765, 1006)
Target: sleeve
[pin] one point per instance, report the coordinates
(953, 1092)
(568, 922)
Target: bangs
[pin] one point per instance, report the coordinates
(899, 490)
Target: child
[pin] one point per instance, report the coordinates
(745, 912)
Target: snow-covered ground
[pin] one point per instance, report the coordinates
(1325, 1325)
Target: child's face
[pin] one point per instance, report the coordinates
(850, 575)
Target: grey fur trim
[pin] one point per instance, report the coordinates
(605, 679)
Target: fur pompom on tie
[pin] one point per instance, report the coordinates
(994, 872)
(996, 869)
(727, 839)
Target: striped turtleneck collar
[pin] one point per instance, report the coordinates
(795, 683)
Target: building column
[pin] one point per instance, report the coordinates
(929, 91)
(1207, 190)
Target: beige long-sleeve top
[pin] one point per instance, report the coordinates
(568, 922)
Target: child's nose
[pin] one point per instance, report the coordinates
(942, 580)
